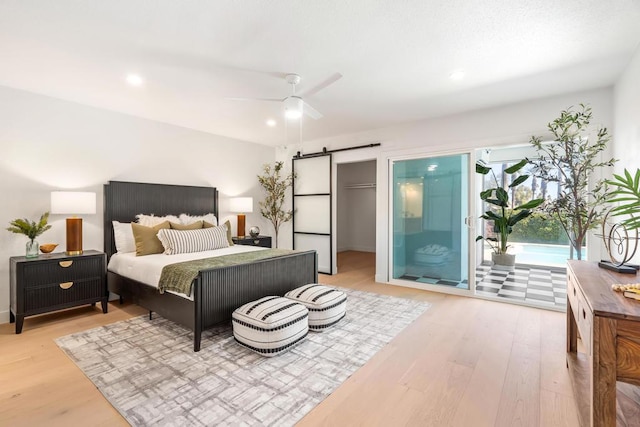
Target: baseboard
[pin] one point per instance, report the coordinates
(4, 316)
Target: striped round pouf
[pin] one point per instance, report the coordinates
(327, 306)
(270, 325)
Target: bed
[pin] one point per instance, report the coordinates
(216, 292)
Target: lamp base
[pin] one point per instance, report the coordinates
(74, 236)
(241, 227)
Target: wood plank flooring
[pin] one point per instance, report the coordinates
(465, 362)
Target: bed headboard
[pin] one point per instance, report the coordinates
(124, 200)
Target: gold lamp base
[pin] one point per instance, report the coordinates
(74, 236)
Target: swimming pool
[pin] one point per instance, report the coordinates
(539, 254)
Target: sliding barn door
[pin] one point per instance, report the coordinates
(312, 208)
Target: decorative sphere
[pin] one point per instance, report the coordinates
(254, 231)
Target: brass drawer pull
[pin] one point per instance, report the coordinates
(66, 285)
(65, 264)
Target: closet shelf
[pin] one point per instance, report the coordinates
(356, 186)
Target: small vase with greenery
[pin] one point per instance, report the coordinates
(503, 216)
(275, 185)
(570, 161)
(31, 229)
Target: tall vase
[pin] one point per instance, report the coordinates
(32, 248)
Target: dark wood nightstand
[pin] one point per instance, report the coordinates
(54, 282)
(264, 241)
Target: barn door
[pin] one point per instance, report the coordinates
(312, 208)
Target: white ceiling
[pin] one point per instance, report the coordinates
(395, 56)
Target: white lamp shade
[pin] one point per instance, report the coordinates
(241, 204)
(73, 202)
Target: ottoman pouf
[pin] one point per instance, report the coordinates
(326, 305)
(270, 325)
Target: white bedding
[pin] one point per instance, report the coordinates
(147, 269)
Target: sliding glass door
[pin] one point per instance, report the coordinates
(429, 215)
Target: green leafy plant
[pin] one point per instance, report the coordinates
(504, 217)
(628, 194)
(275, 185)
(31, 229)
(570, 160)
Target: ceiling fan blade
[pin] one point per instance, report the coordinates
(317, 88)
(256, 99)
(311, 112)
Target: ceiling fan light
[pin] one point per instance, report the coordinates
(293, 107)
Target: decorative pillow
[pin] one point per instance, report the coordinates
(187, 241)
(188, 219)
(147, 242)
(227, 224)
(152, 220)
(123, 236)
(194, 226)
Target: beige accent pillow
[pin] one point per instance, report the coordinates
(226, 224)
(194, 226)
(146, 238)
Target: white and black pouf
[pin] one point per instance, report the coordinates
(327, 305)
(270, 325)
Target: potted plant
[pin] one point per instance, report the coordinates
(569, 161)
(275, 185)
(31, 229)
(503, 216)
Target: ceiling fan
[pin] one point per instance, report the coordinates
(294, 105)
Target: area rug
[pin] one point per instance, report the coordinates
(148, 371)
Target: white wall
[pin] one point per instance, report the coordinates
(49, 144)
(626, 131)
(508, 124)
(356, 207)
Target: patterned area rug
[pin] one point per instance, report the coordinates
(148, 371)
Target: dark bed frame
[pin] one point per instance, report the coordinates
(216, 292)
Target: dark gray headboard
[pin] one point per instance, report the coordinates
(124, 200)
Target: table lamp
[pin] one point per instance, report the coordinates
(73, 203)
(241, 205)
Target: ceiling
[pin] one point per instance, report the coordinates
(395, 57)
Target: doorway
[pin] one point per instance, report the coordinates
(356, 211)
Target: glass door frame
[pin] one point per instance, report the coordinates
(470, 220)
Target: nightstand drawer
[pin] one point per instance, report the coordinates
(64, 270)
(263, 241)
(61, 294)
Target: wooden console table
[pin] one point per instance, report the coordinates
(609, 327)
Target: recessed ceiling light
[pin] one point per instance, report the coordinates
(271, 123)
(134, 80)
(457, 75)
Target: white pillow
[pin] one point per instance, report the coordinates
(188, 241)
(152, 220)
(123, 235)
(190, 219)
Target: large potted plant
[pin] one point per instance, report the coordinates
(569, 161)
(503, 216)
(275, 185)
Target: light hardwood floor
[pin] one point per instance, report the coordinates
(465, 362)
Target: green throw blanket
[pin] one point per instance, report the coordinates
(179, 277)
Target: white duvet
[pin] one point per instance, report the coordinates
(147, 269)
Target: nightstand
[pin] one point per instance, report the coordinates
(54, 282)
(264, 241)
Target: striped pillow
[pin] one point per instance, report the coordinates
(187, 241)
